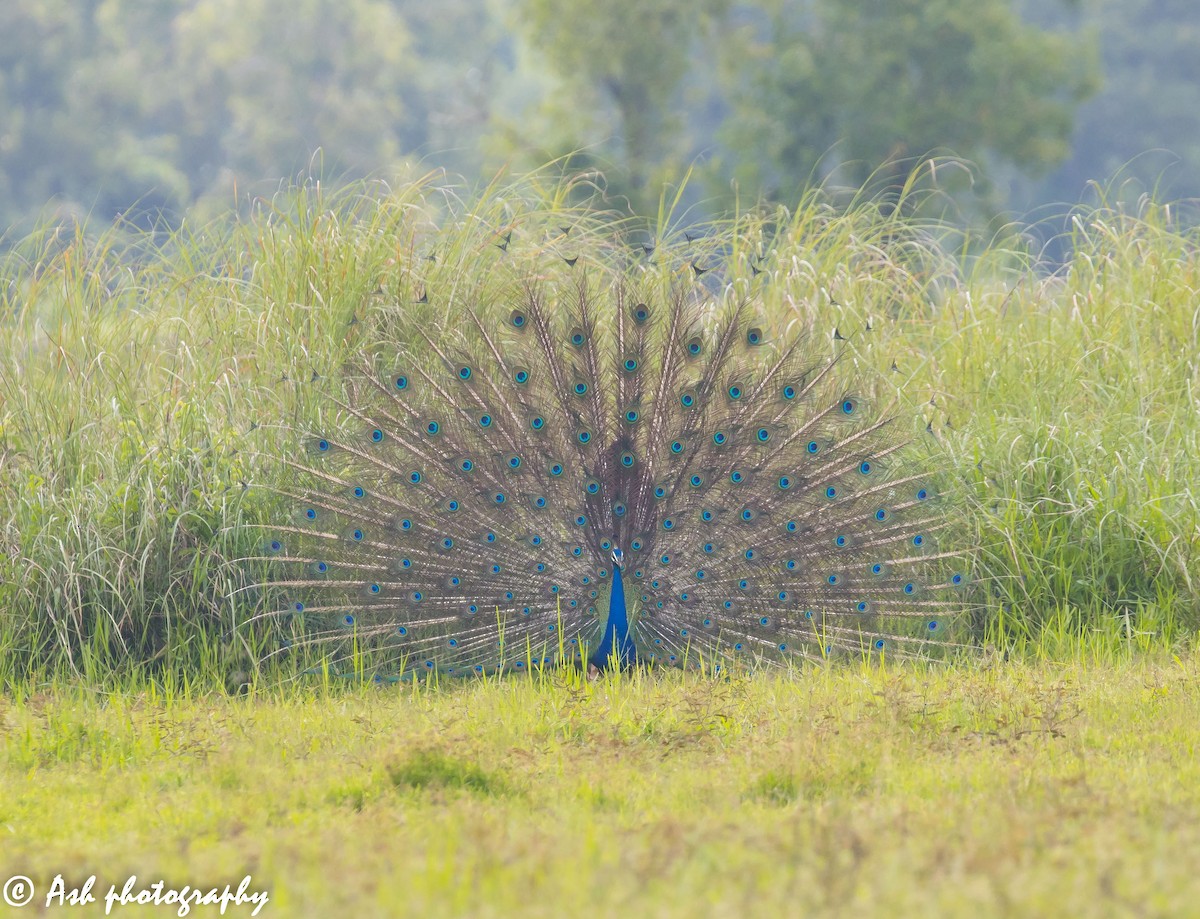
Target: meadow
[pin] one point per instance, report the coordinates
(151, 381)
(1061, 788)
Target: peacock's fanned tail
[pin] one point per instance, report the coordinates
(469, 520)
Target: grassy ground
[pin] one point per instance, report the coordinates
(1066, 789)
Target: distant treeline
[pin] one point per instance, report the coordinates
(148, 108)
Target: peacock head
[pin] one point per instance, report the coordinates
(618, 558)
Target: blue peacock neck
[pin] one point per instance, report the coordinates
(617, 643)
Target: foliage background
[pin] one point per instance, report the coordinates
(146, 108)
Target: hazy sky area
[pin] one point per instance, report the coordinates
(154, 109)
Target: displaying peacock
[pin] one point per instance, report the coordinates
(611, 469)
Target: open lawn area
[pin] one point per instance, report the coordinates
(1007, 789)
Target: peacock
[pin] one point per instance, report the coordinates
(606, 468)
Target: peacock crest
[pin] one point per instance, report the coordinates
(602, 467)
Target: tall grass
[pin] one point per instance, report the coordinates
(148, 379)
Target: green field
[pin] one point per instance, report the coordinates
(150, 383)
(1056, 789)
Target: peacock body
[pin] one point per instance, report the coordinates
(599, 472)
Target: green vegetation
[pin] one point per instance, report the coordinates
(148, 383)
(1065, 789)
(154, 110)
(860, 87)
(622, 78)
(157, 110)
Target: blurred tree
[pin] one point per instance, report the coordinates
(143, 107)
(621, 63)
(460, 80)
(278, 79)
(48, 140)
(137, 107)
(856, 84)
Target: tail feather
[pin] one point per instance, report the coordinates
(464, 517)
